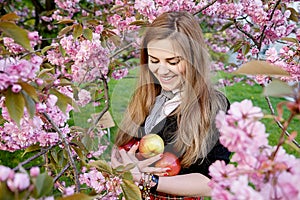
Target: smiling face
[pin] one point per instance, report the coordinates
(166, 64)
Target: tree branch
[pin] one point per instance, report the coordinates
(245, 33)
(61, 173)
(279, 123)
(120, 50)
(106, 107)
(67, 146)
(42, 152)
(262, 36)
(199, 11)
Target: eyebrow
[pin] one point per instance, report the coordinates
(167, 59)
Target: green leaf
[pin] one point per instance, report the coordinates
(236, 46)
(294, 40)
(65, 21)
(294, 14)
(127, 175)
(62, 51)
(88, 34)
(10, 17)
(119, 169)
(29, 103)
(256, 67)
(19, 35)
(45, 71)
(78, 196)
(15, 103)
(139, 23)
(31, 148)
(43, 185)
(245, 49)
(102, 166)
(115, 7)
(65, 30)
(130, 190)
(63, 101)
(46, 48)
(278, 88)
(226, 26)
(5, 193)
(30, 90)
(77, 31)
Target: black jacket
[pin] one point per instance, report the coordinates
(166, 129)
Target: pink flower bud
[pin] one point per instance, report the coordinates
(39, 81)
(34, 171)
(16, 88)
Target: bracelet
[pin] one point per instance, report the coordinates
(148, 184)
(154, 180)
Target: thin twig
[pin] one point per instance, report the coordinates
(199, 11)
(66, 143)
(106, 107)
(42, 152)
(245, 33)
(262, 36)
(278, 122)
(61, 173)
(281, 139)
(120, 50)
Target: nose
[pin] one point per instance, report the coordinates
(162, 69)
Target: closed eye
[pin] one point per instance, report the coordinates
(154, 61)
(174, 61)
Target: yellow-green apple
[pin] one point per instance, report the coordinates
(169, 160)
(151, 145)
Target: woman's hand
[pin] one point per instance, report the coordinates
(121, 157)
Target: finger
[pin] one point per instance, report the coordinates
(134, 148)
(114, 161)
(125, 158)
(151, 160)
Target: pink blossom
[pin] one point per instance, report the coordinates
(84, 97)
(119, 73)
(245, 110)
(69, 190)
(5, 173)
(19, 182)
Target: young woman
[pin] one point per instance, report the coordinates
(174, 61)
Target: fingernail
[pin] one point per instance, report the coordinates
(168, 170)
(166, 174)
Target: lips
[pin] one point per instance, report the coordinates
(165, 78)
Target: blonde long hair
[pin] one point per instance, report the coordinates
(196, 133)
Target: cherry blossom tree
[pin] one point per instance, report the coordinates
(57, 58)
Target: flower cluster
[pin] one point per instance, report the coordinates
(152, 8)
(257, 174)
(288, 58)
(111, 186)
(13, 70)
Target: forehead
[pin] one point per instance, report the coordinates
(165, 48)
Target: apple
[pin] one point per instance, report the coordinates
(171, 161)
(151, 145)
(128, 145)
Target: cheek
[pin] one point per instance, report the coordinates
(152, 68)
